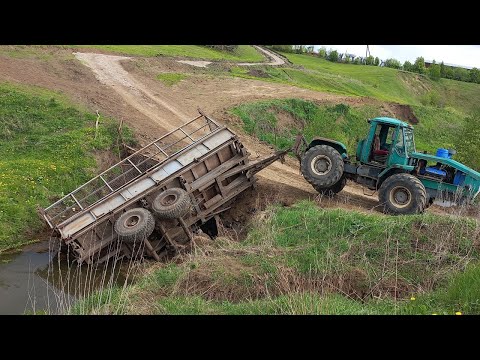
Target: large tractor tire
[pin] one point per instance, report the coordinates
(322, 166)
(332, 190)
(403, 194)
(135, 225)
(171, 204)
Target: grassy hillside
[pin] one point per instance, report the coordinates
(45, 152)
(308, 260)
(244, 53)
(382, 83)
(279, 121)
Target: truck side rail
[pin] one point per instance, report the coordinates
(129, 169)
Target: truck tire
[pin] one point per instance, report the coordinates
(134, 225)
(333, 190)
(403, 194)
(322, 166)
(171, 204)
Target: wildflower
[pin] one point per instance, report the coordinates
(458, 313)
(434, 314)
(412, 298)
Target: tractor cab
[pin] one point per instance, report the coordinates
(389, 142)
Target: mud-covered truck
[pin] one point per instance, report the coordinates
(387, 160)
(157, 197)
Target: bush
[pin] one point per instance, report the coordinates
(377, 61)
(333, 55)
(370, 60)
(358, 60)
(322, 52)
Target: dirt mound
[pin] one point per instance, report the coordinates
(401, 112)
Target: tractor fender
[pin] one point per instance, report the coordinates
(395, 169)
(337, 145)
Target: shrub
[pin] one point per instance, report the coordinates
(333, 55)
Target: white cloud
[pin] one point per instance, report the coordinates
(465, 55)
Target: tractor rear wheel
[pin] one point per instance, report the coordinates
(322, 166)
(403, 194)
(332, 190)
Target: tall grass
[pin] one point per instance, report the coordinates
(309, 260)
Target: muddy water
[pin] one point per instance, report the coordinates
(36, 280)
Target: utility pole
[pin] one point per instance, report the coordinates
(367, 53)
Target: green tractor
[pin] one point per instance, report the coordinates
(407, 181)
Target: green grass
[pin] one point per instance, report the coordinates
(244, 53)
(382, 83)
(171, 79)
(45, 153)
(308, 260)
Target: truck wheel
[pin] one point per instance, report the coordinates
(403, 194)
(332, 190)
(171, 204)
(322, 166)
(135, 224)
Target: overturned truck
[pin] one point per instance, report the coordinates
(158, 197)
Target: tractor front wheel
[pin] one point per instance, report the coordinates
(322, 166)
(403, 194)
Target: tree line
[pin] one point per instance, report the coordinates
(435, 71)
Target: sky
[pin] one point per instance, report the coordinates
(465, 55)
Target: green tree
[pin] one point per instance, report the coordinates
(434, 71)
(407, 66)
(443, 71)
(448, 72)
(377, 61)
(419, 65)
(475, 75)
(357, 60)
(346, 59)
(322, 52)
(393, 63)
(370, 60)
(460, 74)
(333, 55)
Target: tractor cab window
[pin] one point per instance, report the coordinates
(409, 141)
(382, 142)
(400, 143)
